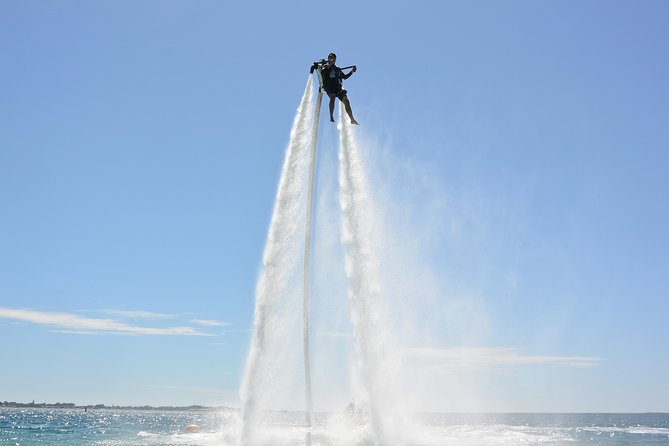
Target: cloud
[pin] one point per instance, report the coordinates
(73, 323)
(487, 357)
(137, 314)
(210, 323)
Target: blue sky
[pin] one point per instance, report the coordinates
(524, 142)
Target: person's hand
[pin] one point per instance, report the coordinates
(355, 68)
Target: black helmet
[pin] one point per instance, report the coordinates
(332, 55)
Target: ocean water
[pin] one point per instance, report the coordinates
(154, 427)
(112, 427)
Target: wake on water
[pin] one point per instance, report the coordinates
(73, 427)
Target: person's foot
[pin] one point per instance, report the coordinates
(354, 122)
(331, 119)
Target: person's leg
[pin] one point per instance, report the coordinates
(347, 106)
(332, 103)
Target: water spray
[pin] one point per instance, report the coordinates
(281, 264)
(307, 257)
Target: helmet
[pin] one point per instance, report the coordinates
(332, 55)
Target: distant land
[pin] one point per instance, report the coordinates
(33, 404)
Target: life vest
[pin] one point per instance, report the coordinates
(332, 77)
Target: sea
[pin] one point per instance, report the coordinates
(42, 426)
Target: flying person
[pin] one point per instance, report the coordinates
(332, 83)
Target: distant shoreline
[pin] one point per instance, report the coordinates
(35, 405)
(196, 407)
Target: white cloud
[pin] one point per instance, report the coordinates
(486, 357)
(137, 314)
(210, 323)
(73, 323)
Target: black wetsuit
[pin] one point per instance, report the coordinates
(332, 80)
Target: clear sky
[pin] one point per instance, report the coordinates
(526, 141)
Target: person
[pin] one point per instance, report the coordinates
(332, 83)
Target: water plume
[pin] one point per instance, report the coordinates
(376, 368)
(376, 415)
(275, 294)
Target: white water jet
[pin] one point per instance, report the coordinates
(271, 381)
(376, 368)
(275, 290)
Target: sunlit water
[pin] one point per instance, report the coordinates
(138, 427)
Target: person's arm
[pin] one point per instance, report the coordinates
(346, 76)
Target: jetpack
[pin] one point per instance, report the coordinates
(318, 67)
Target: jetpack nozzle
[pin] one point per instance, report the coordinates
(316, 64)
